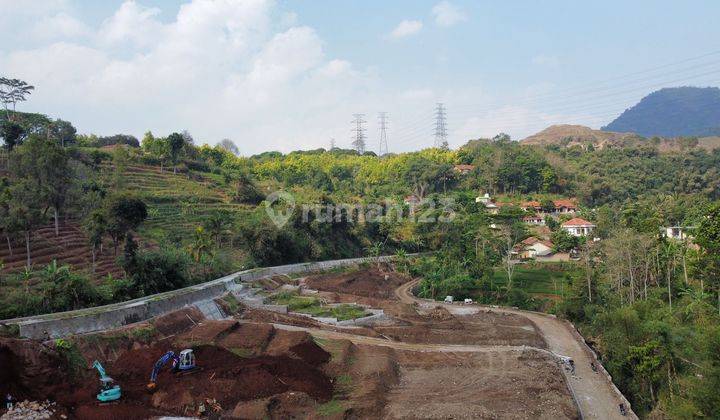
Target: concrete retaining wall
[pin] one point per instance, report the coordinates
(117, 315)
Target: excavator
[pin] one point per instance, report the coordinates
(182, 363)
(109, 391)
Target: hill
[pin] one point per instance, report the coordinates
(673, 112)
(577, 135)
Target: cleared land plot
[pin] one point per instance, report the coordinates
(507, 385)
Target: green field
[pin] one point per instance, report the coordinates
(538, 279)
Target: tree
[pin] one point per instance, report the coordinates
(230, 146)
(63, 132)
(708, 238)
(201, 244)
(124, 214)
(218, 224)
(12, 133)
(95, 228)
(27, 207)
(175, 145)
(13, 91)
(56, 177)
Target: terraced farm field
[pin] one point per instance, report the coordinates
(177, 205)
(69, 247)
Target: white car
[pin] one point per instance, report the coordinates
(448, 299)
(468, 301)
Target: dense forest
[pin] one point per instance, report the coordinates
(169, 212)
(673, 112)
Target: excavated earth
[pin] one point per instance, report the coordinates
(264, 364)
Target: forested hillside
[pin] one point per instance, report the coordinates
(673, 112)
(111, 218)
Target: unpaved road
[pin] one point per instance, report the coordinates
(593, 392)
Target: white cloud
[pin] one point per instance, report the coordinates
(447, 14)
(132, 23)
(406, 28)
(58, 26)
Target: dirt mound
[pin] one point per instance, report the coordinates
(441, 314)
(369, 283)
(178, 321)
(208, 332)
(28, 370)
(310, 353)
(261, 315)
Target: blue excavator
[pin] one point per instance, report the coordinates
(109, 391)
(181, 363)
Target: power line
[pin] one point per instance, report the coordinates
(359, 130)
(383, 149)
(440, 126)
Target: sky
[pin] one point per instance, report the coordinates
(288, 74)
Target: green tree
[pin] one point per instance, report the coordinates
(218, 224)
(95, 225)
(175, 145)
(708, 238)
(124, 213)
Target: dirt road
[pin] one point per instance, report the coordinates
(593, 392)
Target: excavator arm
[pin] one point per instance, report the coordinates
(101, 370)
(162, 361)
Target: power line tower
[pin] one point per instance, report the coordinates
(383, 133)
(332, 143)
(359, 130)
(440, 126)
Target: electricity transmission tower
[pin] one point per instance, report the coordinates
(359, 130)
(332, 143)
(440, 126)
(383, 133)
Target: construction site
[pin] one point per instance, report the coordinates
(396, 356)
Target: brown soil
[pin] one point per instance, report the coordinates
(69, 247)
(178, 321)
(503, 385)
(369, 283)
(285, 368)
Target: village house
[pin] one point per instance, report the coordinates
(485, 200)
(565, 206)
(464, 169)
(578, 227)
(536, 220)
(534, 247)
(531, 206)
(679, 233)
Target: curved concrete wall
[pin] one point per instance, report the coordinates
(116, 315)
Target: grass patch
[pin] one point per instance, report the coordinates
(242, 352)
(232, 303)
(330, 408)
(547, 278)
(72, 357)
(143, 335)
(313, 306)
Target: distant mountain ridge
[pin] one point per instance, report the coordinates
(673, 112)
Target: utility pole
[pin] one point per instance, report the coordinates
(359, 130)
(440, 126)
(383, 134)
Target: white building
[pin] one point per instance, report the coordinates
(578, 227)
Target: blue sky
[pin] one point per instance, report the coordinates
(289, 74)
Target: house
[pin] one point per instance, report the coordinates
(464, 169)
(534, 247)
(565, 206)
(578, 227)
(536, 219)
(531, 206)
(679, 233)
(490, 206)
